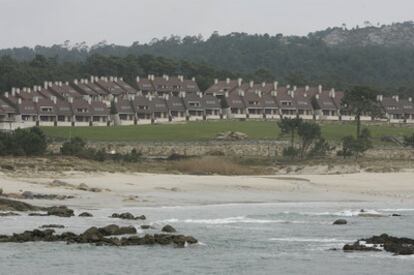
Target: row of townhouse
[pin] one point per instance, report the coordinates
(100, 101)
(269, 100)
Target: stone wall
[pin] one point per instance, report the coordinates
(228, 148)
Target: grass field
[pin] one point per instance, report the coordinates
(202, 131)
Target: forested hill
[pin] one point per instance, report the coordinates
(378, 56)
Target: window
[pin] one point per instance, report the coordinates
(194, 104)
(46, 109)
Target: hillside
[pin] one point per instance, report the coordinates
(381, 57)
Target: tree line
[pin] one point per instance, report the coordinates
(288, 59)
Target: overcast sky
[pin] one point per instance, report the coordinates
(47, 22)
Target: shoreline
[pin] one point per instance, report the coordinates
(123, 190)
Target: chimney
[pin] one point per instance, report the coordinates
(239, 82)
(263, 84)
(292, 93)
(288, 86)
(96, 78)
(45, 84)
(67, 83)
(92, 79)
(193, 79)
(75, 81)
(226, 94)
(168, 78)
(29, 90)
(19, 101)
(89, 100)
(116, 79)
(397, 98)
(6, 94)
(18, 91)
(86, 81)
(152, 77)
(259, 93)
(70, 99)
(307, 88)
(251, 84)
(137, 79)
(54, 99)
(228, 80)
(294, 88)
(121, 79)
(275, 84)
(50, 84)
(215, 81)
(332, 93)
(241, 93)
(274, 93)
(410, 99)
(35, 99)
(150, 97)
(24, 89)
(149, 77)
(111, 78)
(320, 89)
(317, 96)
(60, 83)
(82, 81)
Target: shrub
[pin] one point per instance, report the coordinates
(29, 142)
(409, 141)
(290, 152)
(352, 146)
(74, 147)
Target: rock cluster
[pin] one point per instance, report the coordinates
(85, 214)
(231, 136)
(340, 222)
(398, 246)
(7, 214)
(127, 216)
(100, 236)
(12, 205)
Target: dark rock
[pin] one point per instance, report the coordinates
(396, 215)
(85, 214)
(60, 211)
(13, 205)
(98, 237)
(52, 226)
(38, 214)
(91, 235)
(127, 216)
(398, 246)
(340, 222)
(7, 167)
(168, 228)
(7, 214)
(27, 195)
(145, 226)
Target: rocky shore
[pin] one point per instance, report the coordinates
(94, 235)
(395, 245)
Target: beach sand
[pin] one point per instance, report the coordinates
(141, 189)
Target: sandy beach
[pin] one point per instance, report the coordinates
(140, 189)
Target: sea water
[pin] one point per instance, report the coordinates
(267, 238)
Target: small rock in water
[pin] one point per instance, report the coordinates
(340, 222)
(127, 216)
(52, 226)
(146, 226)
(60, 211)
(168, 228)
(85, 214)
(396, 215)
(7, 214)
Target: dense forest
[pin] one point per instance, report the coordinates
(381, 57)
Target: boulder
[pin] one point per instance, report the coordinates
(168, 228)
(146, 226)
(7, 214)
(13, 205)
(109, 230)
(127, 216)
(83, 187)
(60, 211)
(395, 245)
(58, 183)
(28, 195)
(396, 215)
(85, 214)
(340, 222)
(91, 235)
(126, 230)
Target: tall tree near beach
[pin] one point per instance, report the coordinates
(361, 101)
(290, 126)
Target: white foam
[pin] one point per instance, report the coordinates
(229, 220)
(309, 240)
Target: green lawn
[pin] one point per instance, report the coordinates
(198, 131)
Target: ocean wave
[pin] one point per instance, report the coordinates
(229, 220)
(310, 240)
(344, 213)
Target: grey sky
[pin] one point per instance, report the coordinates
(47, 22)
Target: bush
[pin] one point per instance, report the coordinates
(74, 147)
(409, 141)
(291, 152)
(29, 142)
(352, 146)
(320, 148)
